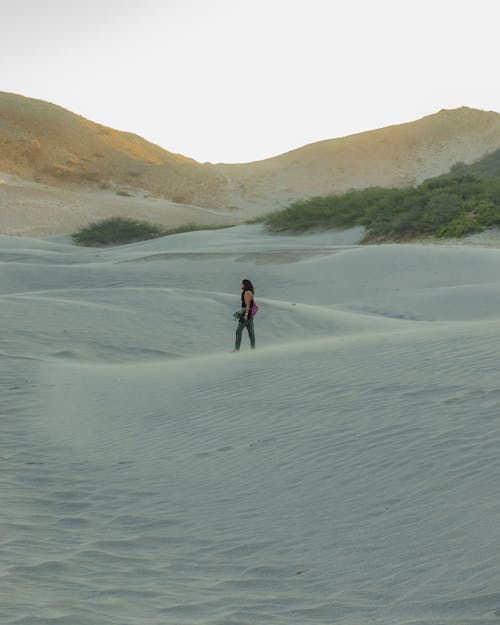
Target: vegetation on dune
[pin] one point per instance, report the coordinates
(122, 230)
(464, 201)
(486, 167)
(194, 228)
(115, 231)
(461, 202)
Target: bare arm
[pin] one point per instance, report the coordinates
(248, 302)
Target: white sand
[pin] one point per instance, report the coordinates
(345, 472)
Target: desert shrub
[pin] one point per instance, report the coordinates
(122, 230)
(195, 228)
(116, 231)
(487, 213)
(458, 169)
(454, 204)
(380, 209)
(474, 216)
(463, 224)
(331, 211)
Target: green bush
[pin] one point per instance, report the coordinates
(487, 211)
(331, 211)
(194, 228)
(464, 224)
(474, 216)
(116, 231)
(459, 168)
(121, 230)
(454, 204)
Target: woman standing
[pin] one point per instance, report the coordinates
(246, 319)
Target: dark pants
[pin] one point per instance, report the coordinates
(239, 331)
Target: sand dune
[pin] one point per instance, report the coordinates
(344, 472)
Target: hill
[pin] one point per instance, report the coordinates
(45, 143)
(82, 171)
(396, 156)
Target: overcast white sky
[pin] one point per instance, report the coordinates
(235, 80)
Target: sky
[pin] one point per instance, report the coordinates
(237, 81)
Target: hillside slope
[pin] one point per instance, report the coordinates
(396, 156)
(46, 143)
(50, 150)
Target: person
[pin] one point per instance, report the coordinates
(246, 319)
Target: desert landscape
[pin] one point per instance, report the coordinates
(60, 171)
(346, 471)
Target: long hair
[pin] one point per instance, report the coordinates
(247, 285)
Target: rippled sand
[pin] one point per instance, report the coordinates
(345, 472)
